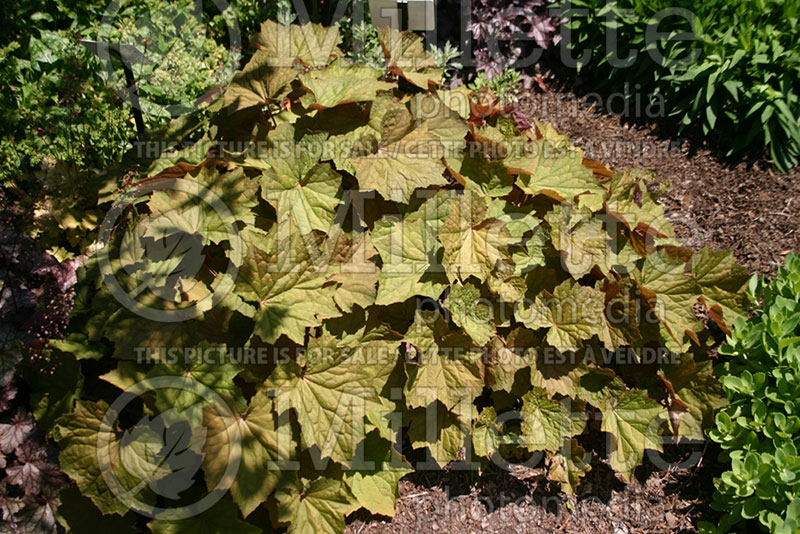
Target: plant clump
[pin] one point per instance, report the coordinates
(374, 275)
(759, 430)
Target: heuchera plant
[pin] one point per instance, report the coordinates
(431, 282)
(759, 431)
(507, 32)
(36, 297)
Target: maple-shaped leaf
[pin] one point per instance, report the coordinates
(509, 356)
(599, 386)
(579, 237)
(77, 344)
(569, 465)
(353, 269)
(439, 429)
(204, 368)
(294, 183)
(314, 506)
(164, 451)
(135, 337)
(290, 289)
(722, 282)
(158, 256)
(458, 99)
(471, 311)
(334, 391)
(572, 314)
(79, 434)
(16, 432)
(634, 423)
(473, 242)
(476, 173)
(552, 166)
(219, 519)
(205, 202)
(527, 246)
(558, 373)
(428, 329)
(254, 438)
(258, 83)
(375, 485)
(312, 44)
(448, 367)
(506, 285)
(545, 422)
(402, 148)
(671, 293)
(32, 470)
(620, 318)
(406, 56)
(411, 257)
(486, 433)
(9, 504)
(630, 201)
(698, 394)
(36, 517)
(341, 83)
(176, 163)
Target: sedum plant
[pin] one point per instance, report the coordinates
(375, 275)
(759, 431)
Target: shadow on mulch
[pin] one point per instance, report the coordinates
(662, 497)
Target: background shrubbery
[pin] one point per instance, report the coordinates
(742, 88)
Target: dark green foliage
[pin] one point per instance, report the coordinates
(741, 83)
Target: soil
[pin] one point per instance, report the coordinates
(523, 502)
(739, 204)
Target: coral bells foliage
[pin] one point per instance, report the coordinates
(36, 298)
(418, 280)
(508, 33)
(37, 292)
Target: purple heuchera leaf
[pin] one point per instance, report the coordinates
(32, 471)
(496, 26)
(14, 434)
(7, 394)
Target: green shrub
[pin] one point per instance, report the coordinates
(426, 283)
(505, 85)
(58, 117)
(759, 431)
(185, 61)
(743, 84)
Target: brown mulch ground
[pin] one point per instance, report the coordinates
(745, 206)
(497, 502)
